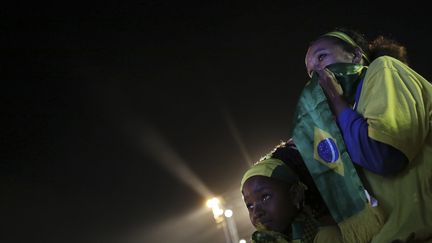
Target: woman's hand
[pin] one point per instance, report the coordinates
(329, 83)
(333, 91)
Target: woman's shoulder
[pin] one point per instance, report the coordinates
(387, 62)
(382, 66)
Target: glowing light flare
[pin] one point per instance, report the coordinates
(228, 213)
(215, 205)
(166, 156)
(237, 137)
(217, 211)
(213, 202)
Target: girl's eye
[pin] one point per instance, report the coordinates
(249, 206)
(266, 197)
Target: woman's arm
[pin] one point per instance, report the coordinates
(375, 156)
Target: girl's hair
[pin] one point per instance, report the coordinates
(380, 46)
(288, 153)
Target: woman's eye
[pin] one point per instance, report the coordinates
(321, 56)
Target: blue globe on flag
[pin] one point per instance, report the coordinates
(327, 150)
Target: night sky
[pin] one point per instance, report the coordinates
(120, 119)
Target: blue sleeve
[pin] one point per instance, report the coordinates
(370, 154)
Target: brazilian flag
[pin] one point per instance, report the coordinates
(321, 145)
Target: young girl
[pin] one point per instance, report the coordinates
(283, 202)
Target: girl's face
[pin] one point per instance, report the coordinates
(270, 203)
(324, 52)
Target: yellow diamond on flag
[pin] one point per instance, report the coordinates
(326, 151)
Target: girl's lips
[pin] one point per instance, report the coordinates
(266, 223)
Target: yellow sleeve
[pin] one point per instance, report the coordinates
(393, 103)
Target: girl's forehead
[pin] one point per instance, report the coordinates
(258, 181)
(257, 184)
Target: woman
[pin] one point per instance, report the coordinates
(383, 109)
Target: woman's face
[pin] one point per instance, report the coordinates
(269, 203)
(324, 52)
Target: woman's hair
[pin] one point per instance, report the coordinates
(288, 153)
(380, 46)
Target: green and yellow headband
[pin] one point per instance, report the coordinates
(273, 168)
(344, 37)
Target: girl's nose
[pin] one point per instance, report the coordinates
(258, 211)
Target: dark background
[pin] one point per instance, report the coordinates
(119, 120)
